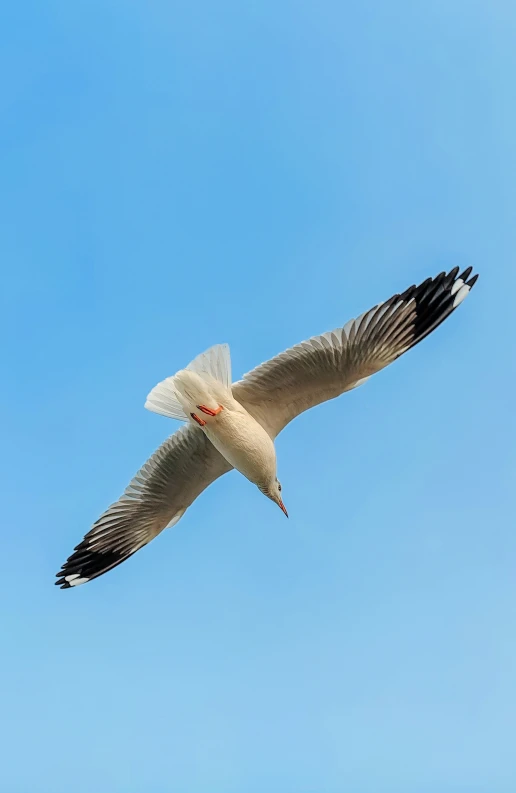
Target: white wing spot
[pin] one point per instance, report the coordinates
(461, 294)
(361, 381)
(177, 517)
(456, 286)
(75, 579)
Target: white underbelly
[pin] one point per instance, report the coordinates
(245, 444)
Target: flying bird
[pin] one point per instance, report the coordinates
(233, 425)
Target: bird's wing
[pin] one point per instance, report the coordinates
(183, 466)
(325, 366)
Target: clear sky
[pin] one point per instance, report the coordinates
(179, 174)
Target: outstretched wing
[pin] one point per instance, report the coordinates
(325, 366)
(183, 466)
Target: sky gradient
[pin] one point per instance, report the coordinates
(177, 175)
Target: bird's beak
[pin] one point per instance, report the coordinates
(281, 505)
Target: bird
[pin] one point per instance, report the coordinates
(233, 425)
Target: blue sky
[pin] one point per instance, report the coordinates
(176, 175)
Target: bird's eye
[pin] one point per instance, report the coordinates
(279, 487)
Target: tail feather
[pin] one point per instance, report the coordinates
(215, 363)
(163, 399)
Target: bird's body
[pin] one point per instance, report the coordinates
(239, 438)
(233, 425)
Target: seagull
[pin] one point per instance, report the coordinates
(233, 425)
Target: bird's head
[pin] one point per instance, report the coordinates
(273, 491)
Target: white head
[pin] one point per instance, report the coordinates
(273, 491)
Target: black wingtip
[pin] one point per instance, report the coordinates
(436, 298)
(85, 564)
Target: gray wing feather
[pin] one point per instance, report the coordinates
(156, 498)
(326, 366)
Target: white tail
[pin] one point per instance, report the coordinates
(215, 362)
